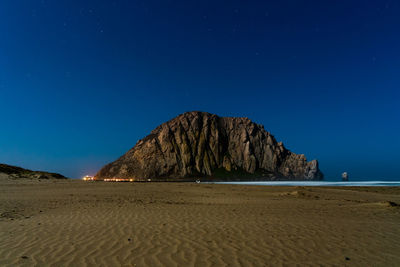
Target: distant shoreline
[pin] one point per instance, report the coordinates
(318, 183)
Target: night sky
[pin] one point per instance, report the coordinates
(82, 81)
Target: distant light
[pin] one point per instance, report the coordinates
(118, 179)
(88, 178)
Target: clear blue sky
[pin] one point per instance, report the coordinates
(82, 81)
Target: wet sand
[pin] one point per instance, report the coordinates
(74, 223)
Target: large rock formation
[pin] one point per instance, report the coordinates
(12, 172)
(203, 145)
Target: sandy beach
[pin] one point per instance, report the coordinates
(75, 223)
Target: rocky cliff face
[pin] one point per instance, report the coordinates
(203, 145)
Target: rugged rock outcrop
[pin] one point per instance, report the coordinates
(13, 172)
(203, 145)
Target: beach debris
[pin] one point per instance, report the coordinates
(391, 204)
(24, 257)
(347, 258)
(197, 181)
(345, 177)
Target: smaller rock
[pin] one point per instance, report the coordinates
(345, 177)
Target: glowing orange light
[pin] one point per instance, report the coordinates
(118, 180)
(88, 178)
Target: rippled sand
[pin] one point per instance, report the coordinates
(74, 223)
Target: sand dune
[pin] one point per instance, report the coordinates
(72, 223)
